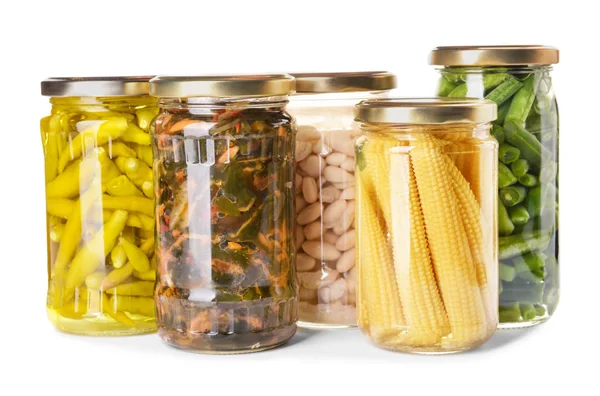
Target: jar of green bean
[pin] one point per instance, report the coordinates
(518, 79)
(100, 205)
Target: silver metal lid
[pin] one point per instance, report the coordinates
(425, 111)
(344, 82)
(222, 86)
(96, 86)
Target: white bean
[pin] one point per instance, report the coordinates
(349, 165)
(337, 175)
(343, 186)
(321, 250)
(313, 230)
(309, 189)
(333, 292)
(329, 237)
(346, 241)
(312, 165)
(304, 262)
(309, 214)
(314, 280)
(321, 149)
(342, 144)
(300, 203)
(303, 150)
(336, 159)
(348, 193)
(346, 260)
(298, 184)
(334, 211)
(299, 236)
(329, 194)
(308, 295)
(307, 132)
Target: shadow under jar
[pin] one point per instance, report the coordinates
(224, 167)
(517, 78)
(99, 203)
(426, 222)
(323, 107)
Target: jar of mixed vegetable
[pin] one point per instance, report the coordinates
(426, 236)
(100, 205)
(325, 191)
(517, 78)
(224, 151)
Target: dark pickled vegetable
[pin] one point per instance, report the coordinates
(225, 211)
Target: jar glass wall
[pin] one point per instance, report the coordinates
(100, 207)
(325, 191)
(224, 169)
(426, 221)
(527, 130)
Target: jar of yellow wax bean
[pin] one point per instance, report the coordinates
(100, 205)
(426, 224)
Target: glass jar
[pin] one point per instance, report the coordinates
(224, 150)
(324, 111)
(517, 78)
(100, 206)
(426, 210)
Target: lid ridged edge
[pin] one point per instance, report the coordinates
(307, 83)
(96, 86)
(494, 55)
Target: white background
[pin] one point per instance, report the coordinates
(83, 38)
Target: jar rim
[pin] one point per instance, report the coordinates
(96, 86)
(425, 111)
(344, 82)
(223, 86)
(494, 55)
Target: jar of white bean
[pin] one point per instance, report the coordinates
(325, 225)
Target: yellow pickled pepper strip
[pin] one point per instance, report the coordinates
(145, 117)
(119, 149)
(118, 257)
(144, 153)
(138, 172)
(134, 134)
(122, 187)
(130, 204)
(134, 305)
(56, 228)
(60, 207)
(138, 288)
(93, 253)
(110, 129)
(114, 313)
(136, 256)
(117, 276)
(50, 127)
(426, 318)
(448, 242)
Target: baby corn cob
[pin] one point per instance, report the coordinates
(426, 318)
(379, 299)
(448, 242)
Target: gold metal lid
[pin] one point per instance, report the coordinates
(96, 86)
(222, 86)
(494, 55)
(425, 111)
(344, 82)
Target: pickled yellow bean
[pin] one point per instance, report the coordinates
(119, 149)
(119, 316)
(148, 246)
(139, 288)
(149, 275)
(134, 305)
(138, 172)
(145, 117)
(72, 232)
(120, 162)
(56, 228)
(148, 189)
(60, 207)
(112, 128)
(94, 280)
(50, 145)
(118, 256)
(134, 134)
(132, 204)
(144, 153)
(136, 256)
(92, 253)
(122, 187)
(117, 276)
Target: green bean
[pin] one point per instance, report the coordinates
(507, 272)
(519, 167)
(532, 263)
(518, 214)
(502, 111)
(513, 195)
(522, 102)
(526, 242)
(528, 180)
(509, 312)
(505, 90)
(498, 133)
(531, 148)
(445, 87)
(508, 154)
(505, 225)
(505, 176)
(528, 311)
(540, 310)
(490, 81)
